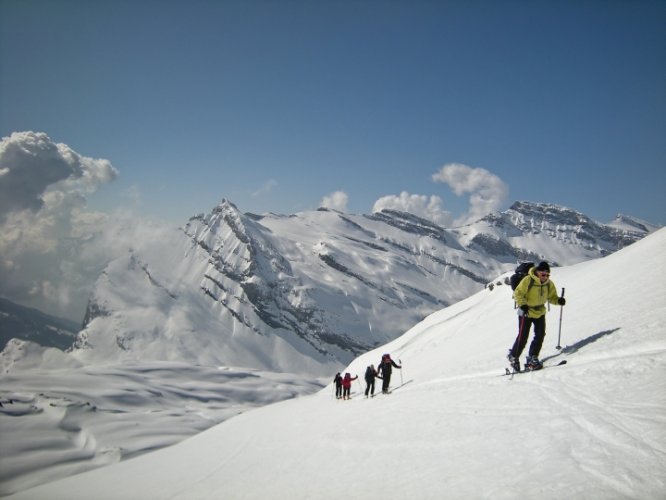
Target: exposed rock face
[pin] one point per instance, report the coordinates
(308, 291)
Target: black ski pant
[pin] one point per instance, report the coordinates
(386, 381)
(524, 325)
(338, 391)
(345, 392)
(369, 386)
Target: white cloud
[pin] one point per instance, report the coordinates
(336, 201)
(51, 258)
(428, 207)
(266, 188)
(487, 191)
(132, 196)
(487, 194)
(51, 247)
(32, 164)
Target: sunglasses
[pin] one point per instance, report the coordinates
(544, 273)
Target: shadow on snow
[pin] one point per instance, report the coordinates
(570, 349)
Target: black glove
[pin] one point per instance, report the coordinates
(561, 301)
(525, 308)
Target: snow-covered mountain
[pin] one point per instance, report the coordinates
(632, 224)
(26, 323)
(307, 292)
(453, 427)
(563, 236)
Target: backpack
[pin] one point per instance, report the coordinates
(521, 271)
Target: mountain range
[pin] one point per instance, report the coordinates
(27, 323)
(175, 327)
(306, 293)
(453, 426)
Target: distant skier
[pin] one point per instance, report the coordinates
(531, 295)
(346, 385)
(385, 368)
(338, 385)
(370, 375)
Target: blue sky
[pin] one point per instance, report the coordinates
(277, 104)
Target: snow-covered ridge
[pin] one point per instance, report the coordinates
(310, 291)
(629, 223)
(453, 426)
(565, 225)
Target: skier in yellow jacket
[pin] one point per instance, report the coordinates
(531, 295)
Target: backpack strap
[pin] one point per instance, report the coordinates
(529, 287)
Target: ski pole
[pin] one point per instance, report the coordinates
(401, 381)
(559, 333)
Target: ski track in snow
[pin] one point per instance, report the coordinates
(594, 428)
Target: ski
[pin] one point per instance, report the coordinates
(512, 372)
(380, 393)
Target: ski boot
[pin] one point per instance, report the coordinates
(533, 364)
(514, 362)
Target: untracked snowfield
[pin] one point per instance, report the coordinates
(59, 422)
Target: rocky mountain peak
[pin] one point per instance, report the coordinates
(309, 291)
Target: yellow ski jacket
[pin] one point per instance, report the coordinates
(535, 294)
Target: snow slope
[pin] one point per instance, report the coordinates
(595, 428)
(309, 292)
(59, 419)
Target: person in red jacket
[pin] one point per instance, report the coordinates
(346, 385)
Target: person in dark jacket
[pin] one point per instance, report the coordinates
(370, 375)
(385, 368)
(338, 385)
